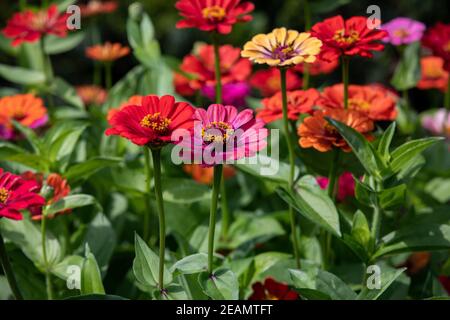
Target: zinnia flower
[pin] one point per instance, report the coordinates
(222, 135)
(96, 7)
(318, 67)
(373, 100)
(213, 15)
(107, 52)
(282, 47)
(349, 38)
(299, 101)
(318, 133)
(182, 86)
(268, 81)
(92, 95)
(201, 66)
(438, 123)
(153, 122)
(133, 100)
(403, 30)
(433, 75)
(416, 262)
(17, 194)
(29, 26)
(26, 109)
(437, 39)
(232, 93)
(272, 290)
(54, 189)
(445, 282)
(346, 185)
(205, 175)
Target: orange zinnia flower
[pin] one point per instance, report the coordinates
(96, 7)
(299, 101)
(92, 95)
(433, 74)
(318, 67)
(26, 109)
(205, 175)
(132, 101)
(318, 133)
(268, 81)
(377, 102)
(107, 52)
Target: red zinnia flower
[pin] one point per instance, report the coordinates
(433, 75)
(350, 37)
(213, 15)
(437, 39)
(375, 101)
(272, 290)
(153, 121)
(318, 67)
(201, 66)
(17, 194)
(299, 101)
(268, 81)
(96, 7)
(58, 189)
(182, 86)
(445, 281)
(29, 26)
(133, 100)
(107, 52)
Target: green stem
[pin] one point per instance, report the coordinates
(333, 177)
(4, 261)
(345, 79)
(287, 135)
(156, 155)
(108, 75)
(212, 216)
(148, 174)
(97, 80)
(376, 218)
(405, 98)
(307, 14)
(215, 41)
(48, 71)
(306, 76)
(48, 280)
(22, 4)
(447, 97)
(226, 214)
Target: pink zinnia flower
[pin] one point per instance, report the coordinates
(403, 30)
(232, 93)
(223, 135)
(438, 123)
(346, 185)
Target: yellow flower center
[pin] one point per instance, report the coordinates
(358, 104)
(331, 130)
(216, 13)
(434, 72)
(401, 33)
(39, 20)
(346, 38)
(217, 131)
(4, 194)
(155, 122)
(283, 53)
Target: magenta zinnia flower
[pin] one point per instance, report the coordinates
(403, 30)
(346, 185)
(438, 123)
(224, 135)
(232, 93)
(17, 194)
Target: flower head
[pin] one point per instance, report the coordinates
(438, 122)
(282, 47)
(437, 39)
(433, 75)
(299, 101)
(54, 188)
(346, 185)
(213, 15)
(205, 175)
(92, 95)
(349, 38)
(96, 7)
(153, 122)
(268, 81)
(26, 109)
(319, 66)
(182, 86)
(272, 290)
(17, 194)
(232, 93)
(318, 133)
(223, 135)
(29, 26)
(375, 101)
(416, 262)
(403, 30)
(107, 52)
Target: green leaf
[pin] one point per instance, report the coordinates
(21, 75)
(87, 168)
(360, 230)
(407, 72)
(91, 279)
(146, 265)
(194, 263)
(363, 192)
(222, 285)
(33, 161)
(267, 168)
(30, 135)
(63, 144)
(385, 141)
(70, 202)
(305, 282)
(57, 45)
(63, 90)
(184, 191)
(333, 286)
(63, 269)
(439, 189)
(392, 197)
(96, 297)
(172, 292)
(8, 149)
(313, 203)
(362, 149)
(402, 156)
(387, 278)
